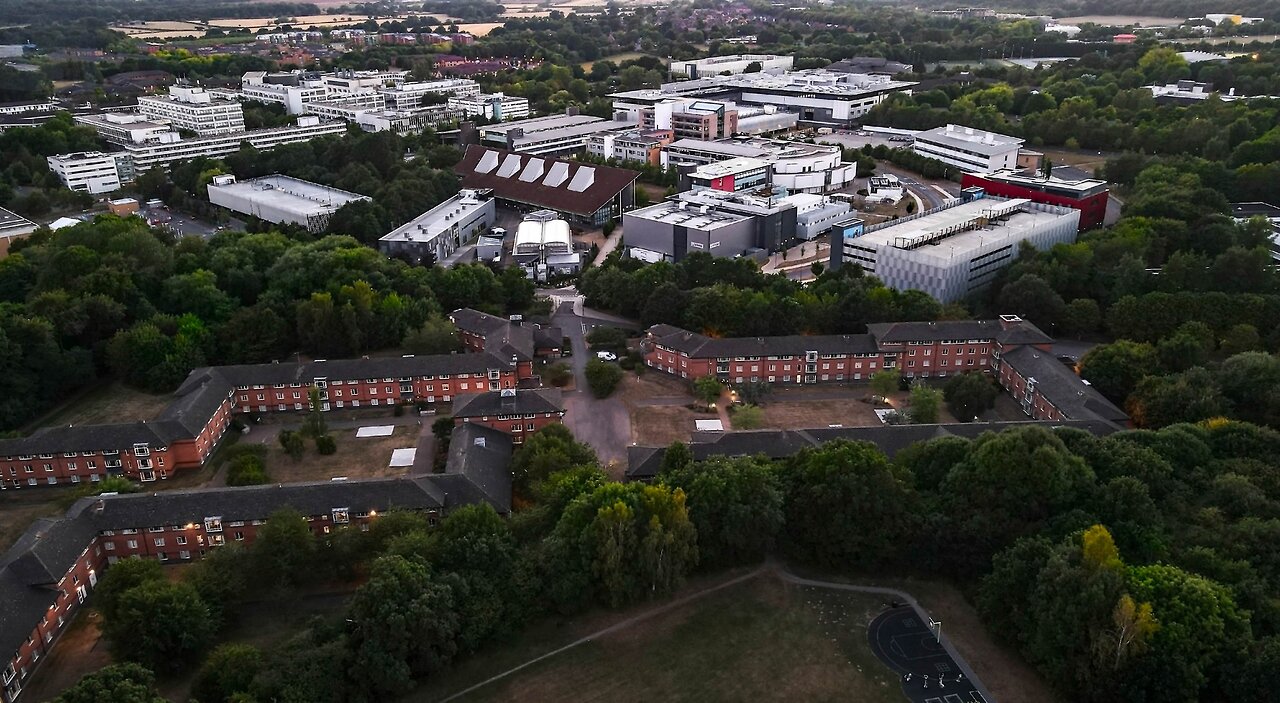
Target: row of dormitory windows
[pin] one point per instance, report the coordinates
(89, 465)
(77, 478)
(371, 381)
(137, 450)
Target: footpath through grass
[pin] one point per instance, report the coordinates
(758, 640)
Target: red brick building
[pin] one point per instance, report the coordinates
(54, 566)
(915, 349)
(1087, 195)
(189, 429)
(516, 412)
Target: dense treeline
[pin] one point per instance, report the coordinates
(22, 154)
(115, 296)
(1099, 103)
(1140, 566)
(732, 298)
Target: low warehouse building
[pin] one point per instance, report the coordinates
(281, 199)
(440, 231)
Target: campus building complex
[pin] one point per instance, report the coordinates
(717, 222)
(192, 109)
(632, 146)
(298, 91)
(1015, 351)
(491, 106)
(582, 193)
(554, 135)
(954, 250)
(816, 96)
(90, 172)
(281, 199)
(189, 429)
(737, 63)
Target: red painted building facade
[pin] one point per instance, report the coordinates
(1089, 196)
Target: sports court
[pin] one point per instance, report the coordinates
(906, 644)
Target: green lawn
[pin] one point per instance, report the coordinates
(758, 640)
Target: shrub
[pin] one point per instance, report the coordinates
(747, 417)
(603, 378)
(557, 375)
(247, 469)
(399, 410)
(326, 445)
(292, 443)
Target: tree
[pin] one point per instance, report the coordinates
(677, 457)
(247, 470)
(160, 624)
(602, 377)
(544, 452)
(121, 577)
(1033, 298)
(847, 505)
(924, 404)
(403, 623)
(437, 335)
(735, 504)
(1115, 369)
(1081, 316)
(885, 381)
(284, 548)
(313, 425)
(117, 683)
(707, 389)
(227, 671)
(326, 445)
(1239, 339)
(292, 443)
(747, 417)
(968, 395)
(1189, 396)
(1133, 626)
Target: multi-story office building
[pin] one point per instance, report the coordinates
(736, 63)
(121, 128)
(554, 135)
(815, 214)
(952, 251)
(293, 90)
(1088, 195)
(633, 146)
(437, 233)
(795, 166)
(968, 148)
(491, 106)
(88, 171)
(281, 199)
(167, 150)
(692, 118)
(731, 175)
(409, 95)
(192, 109)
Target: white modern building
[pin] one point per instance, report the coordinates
(491, 106)
(797, 167)
(632, 146)
(437, 233)
(92, 172)
(170, 147)
(280, 199)
(406, 96)
(815, 214)
(540, 235)
(554, 135)
(968, 148)
(192, 109)
(371, 90)
(293, 90)
(18, 108)
(952, 251)
(734, 64)
(398, 121)
(815, 96)
(123, 128)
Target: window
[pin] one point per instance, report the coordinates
(111, 546)
(159, 541)
(213, 524)
(132, 544)
(341, 516)
(180, 539)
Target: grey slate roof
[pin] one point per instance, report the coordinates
(1061, 386)
(482, 456)
(505, 338)
(644, 463)
(78, 438)
(1018, 332)
(515, 402)
(700, 346)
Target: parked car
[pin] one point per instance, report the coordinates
(606, 356)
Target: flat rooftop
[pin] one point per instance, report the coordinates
(541, 124)
(756, 148)
(1078, 187)
(290, 194)
(955, 231)
(817, 82)
(12, 222)
(729, 167)
(692, 216)
(968, 138)
(430, 224)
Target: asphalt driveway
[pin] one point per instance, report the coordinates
(604, 424)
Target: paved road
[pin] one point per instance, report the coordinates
(605, 424)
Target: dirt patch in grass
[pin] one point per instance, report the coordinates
(80, 650)
(819, 413)
(364, 457)
(658, 426)
(759, 640)
(109, 403)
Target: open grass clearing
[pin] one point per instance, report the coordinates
(807, 414)
(107, 403)
(658, 426)
(757, 640)
(616, 58)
